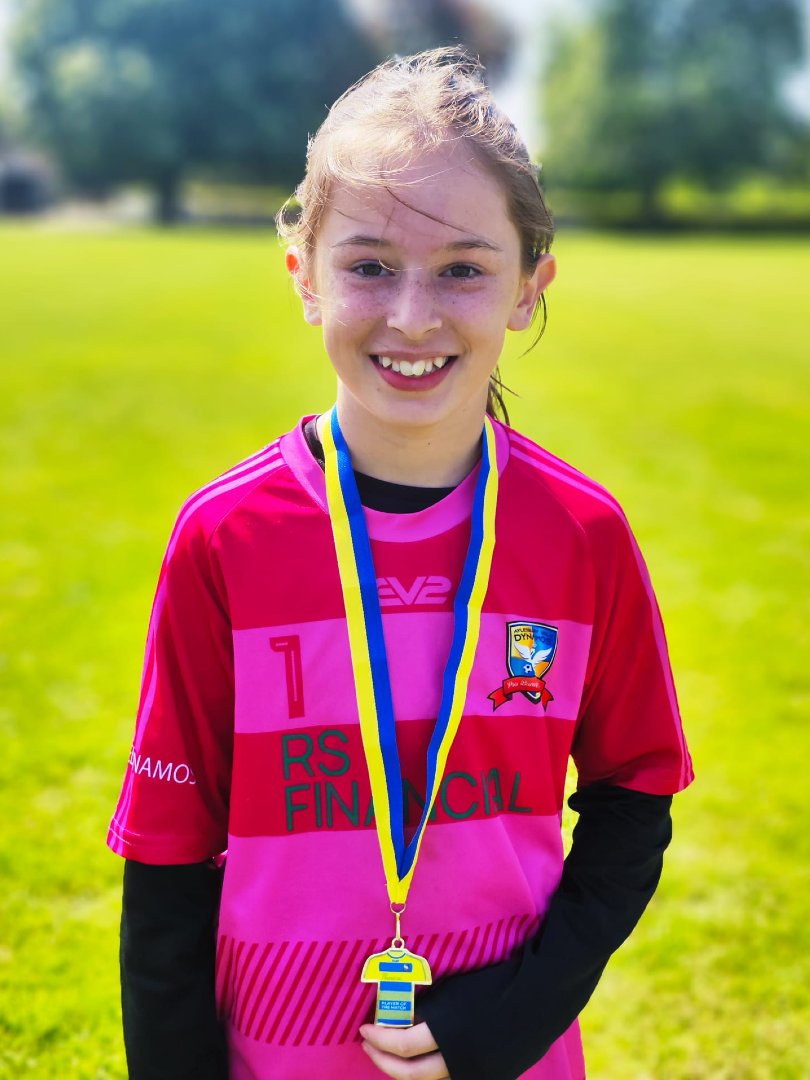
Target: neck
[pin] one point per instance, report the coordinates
(421, 456)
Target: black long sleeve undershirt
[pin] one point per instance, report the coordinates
(168, 939)
(490, 1024)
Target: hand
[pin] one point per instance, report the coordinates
(404, 1053)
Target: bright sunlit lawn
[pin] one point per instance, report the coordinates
(136, 366)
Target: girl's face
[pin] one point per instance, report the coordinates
(415, 290)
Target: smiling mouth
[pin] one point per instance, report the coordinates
(414, 369)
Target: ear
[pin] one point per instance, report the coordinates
(295, 265)
(530, 291)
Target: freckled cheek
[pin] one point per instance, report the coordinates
(477, 314)
(349, 312)
(366, 310)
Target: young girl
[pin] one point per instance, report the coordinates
(373, 648)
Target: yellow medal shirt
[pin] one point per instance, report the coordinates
(396, 972)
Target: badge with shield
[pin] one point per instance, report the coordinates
(530, 651)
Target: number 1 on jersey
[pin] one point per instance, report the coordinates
(291, 647)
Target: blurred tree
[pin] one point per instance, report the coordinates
(5, 125)
(148, 90)
(5, 137)
(637, 92)
(425, 24)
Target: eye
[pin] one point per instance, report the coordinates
(462, 272)
(370, 269)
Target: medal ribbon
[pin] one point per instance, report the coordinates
(369, 660)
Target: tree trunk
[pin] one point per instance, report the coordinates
(649, 210)
(168, 200)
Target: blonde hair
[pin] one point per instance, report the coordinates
(403, 108)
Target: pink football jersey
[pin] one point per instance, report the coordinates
(247, 736)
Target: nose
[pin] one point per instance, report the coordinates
(414, 309)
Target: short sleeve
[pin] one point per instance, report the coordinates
(421, 972)
(371, 969)
(629, 729)
(173, 806)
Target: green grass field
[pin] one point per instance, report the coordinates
(135, 366)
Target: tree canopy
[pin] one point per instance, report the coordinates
(149, 90)
(638, 92)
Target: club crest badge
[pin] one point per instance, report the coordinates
(530, 651)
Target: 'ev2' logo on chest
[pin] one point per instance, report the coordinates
(424, 590)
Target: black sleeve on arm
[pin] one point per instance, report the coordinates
(168, 934)
(493, 1024)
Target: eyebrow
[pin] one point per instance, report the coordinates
(470, 243)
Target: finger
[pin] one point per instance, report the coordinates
(427, 1067)
(403, 1042)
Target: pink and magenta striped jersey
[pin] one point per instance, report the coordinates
(247, 736)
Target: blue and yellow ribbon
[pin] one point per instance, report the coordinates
(369, 660)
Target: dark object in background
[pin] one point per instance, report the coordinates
(26, 184)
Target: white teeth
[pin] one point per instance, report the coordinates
(413, 368)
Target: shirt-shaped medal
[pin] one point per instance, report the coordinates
(396, 972)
